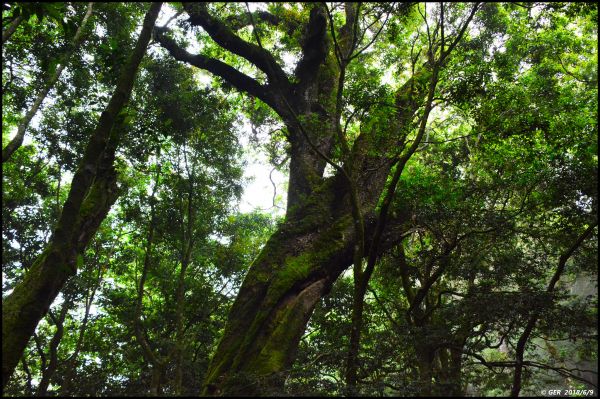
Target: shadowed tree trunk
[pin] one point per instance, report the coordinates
(93, 191)
(455, 384)
(425, 359)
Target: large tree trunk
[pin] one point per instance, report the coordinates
(455, 374)
(316, 243)
(425, 359)
(93, 191)
(294, 270)
(449, 375)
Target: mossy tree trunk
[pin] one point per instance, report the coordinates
(93, 191)
(291, 274)
(12, 27)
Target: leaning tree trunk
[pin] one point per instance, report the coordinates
(12, 27)
(93, 191)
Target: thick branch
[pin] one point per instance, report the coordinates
(314, 47)
(240, 21)
(231, 75)
(12, 27)
(224, 37)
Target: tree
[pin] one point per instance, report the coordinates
(283, 286)
(92, 193)
(52, 78)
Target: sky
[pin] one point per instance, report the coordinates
(259, 191)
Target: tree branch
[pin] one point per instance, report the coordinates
(226, 72)
(458, 37)
(314, 50)
(224, 37)
(240, 21)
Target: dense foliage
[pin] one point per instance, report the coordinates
(440, 233)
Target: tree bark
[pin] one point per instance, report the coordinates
(93, 191)
(455, 373)
(295, 269)
(155, 384)
(424, 362)
(16, 142)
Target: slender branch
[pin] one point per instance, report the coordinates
(443, 38)
(458, 37)
(29, 387)
(375, 36)
(524, 338)
(337, 50)
(17, 141)
(171, 19)
(384, 309)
